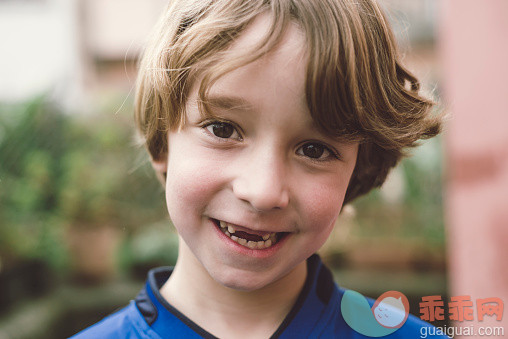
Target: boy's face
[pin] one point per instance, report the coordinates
(259, 166)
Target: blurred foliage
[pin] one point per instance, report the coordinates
(59, 171)
(150, 247)
(417, 214)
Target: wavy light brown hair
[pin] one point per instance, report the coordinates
(356, 88)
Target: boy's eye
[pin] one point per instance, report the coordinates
(222, 130)
(315, 150)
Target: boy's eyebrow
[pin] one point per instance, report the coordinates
(228, 102)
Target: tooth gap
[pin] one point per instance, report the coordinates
(244, 242)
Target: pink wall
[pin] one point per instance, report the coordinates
(474, 54)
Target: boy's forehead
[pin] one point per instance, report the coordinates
(292, 39)
(254, 33)
(274, 82)
(282, 67)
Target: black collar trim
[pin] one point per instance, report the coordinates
(156, 278)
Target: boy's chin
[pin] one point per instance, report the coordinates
(245, 281)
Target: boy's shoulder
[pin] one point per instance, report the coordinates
(125, 323)
(147, 316)
(322, 314)
(316, 314)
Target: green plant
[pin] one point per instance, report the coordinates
(419, 213)
(59, 170)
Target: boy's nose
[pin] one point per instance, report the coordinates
(261, 181)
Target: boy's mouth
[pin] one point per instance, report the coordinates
(246, 239)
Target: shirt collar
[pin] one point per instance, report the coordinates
(306, 312)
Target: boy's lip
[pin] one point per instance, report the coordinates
(250, 230)
(269, 251)
(237, 227)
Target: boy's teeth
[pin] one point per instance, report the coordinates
(268, 239)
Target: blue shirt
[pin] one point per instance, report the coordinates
(316, 313)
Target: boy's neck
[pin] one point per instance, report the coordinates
(226, 312)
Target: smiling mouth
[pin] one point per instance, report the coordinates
(249, 240)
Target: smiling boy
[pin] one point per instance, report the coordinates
(262, 118)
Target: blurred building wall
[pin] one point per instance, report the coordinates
(115, 32)
(39, 49)
(474, 53)
(118, 29)
(69, 49)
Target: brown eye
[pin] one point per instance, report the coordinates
(221, 129)
(316, 151)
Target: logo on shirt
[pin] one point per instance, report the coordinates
(387, 315)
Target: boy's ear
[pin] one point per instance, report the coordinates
(160, 167)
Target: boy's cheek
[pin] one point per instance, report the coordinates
(189, 184)
(322, 202)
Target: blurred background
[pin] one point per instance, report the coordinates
(82, 217)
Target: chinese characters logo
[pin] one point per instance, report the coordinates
(460, 308)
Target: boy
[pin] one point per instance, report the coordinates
(262, 118)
